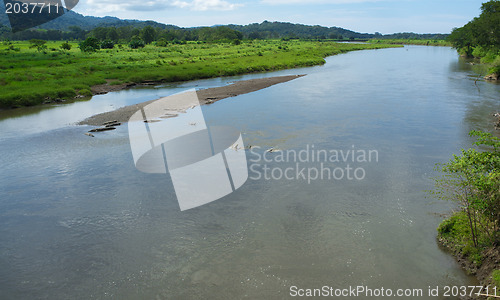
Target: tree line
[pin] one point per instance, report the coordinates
(123, 31)
(125, 34)
(481, 36)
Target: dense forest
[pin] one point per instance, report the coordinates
(480, 37)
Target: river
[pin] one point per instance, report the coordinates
(79, 221)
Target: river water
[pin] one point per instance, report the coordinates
(79, 221)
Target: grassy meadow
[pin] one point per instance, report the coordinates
(29, 76)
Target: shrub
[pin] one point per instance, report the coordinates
(11, 47)
(107, 44)
(161, 43)
(38, 44)
(472, 179)
(90, 44)
(479, 52)
(85, 92)
(66, 46)
(136, 43)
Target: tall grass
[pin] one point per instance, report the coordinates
(30, 77)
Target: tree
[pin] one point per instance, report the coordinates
(148, 34)
(91, 44)
(473, 180)
(99, 33)
(483, 31)
(38, 44)
(162, 42)
(112, 34)
(491, 7)
(135, 32)
(461, 38)
(107, 44)
(136, 42)
(124, 33)
(66, 46)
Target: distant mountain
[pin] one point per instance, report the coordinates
(264, 30)
(282, 30)
(71, 18)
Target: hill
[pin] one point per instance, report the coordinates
(71, 18)
(74, 22)
(283, 30)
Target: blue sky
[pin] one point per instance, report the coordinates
(384, 16)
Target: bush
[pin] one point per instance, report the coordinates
(446, 227)
(472, 179)
(495, 65)
(66, 46)
(11, 47)
(38, 44)
(85, 92)
(479, 52)
(90, 44)
(161, 43)
(107, 44)
(136, 43)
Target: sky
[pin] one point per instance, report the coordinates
(370, 16)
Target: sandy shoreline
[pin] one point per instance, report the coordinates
(206, 96)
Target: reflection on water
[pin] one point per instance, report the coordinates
(78, 221)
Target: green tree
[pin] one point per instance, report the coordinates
(66, 46)
(107, 44)
(38, 44)
(136, 42)
(148, 34)
(112, 34)
(483, 31)
(473, 180)
(91, 44)
(162, 42)
(99, 33)
(124, 33)
(461, 38)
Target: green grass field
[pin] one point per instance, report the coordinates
(31, 77)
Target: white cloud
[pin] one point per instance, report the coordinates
(204, 5)
(102, 7)
(307, 2)
(106, 6)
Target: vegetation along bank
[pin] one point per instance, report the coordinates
(37, 71)
(472, 179)
(480, 38)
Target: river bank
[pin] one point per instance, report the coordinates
(92, 225)
(472, 234)
(36, 77)
(205, 96)
(484, 265)
(420, 42)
